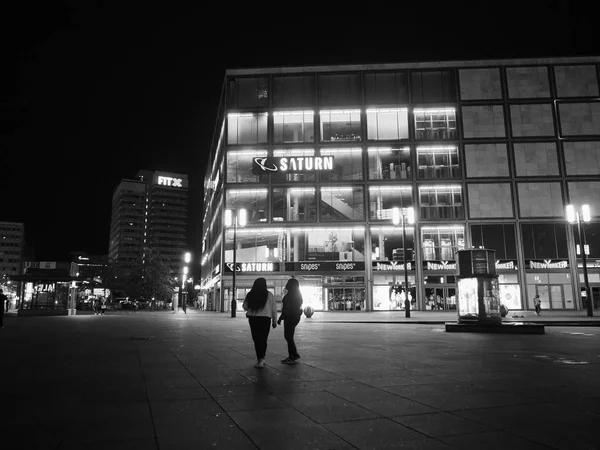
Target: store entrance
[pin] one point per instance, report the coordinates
(440, 298)
(345, 299)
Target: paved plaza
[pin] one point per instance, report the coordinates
(157, 380)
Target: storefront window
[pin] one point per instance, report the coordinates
(441, 202)
(544, 241)
(432, 86)
(341, 203)
(388, 292)
(239, 166)
(293, 126)
(389, 163)
(440, 243)
(382, 199)
(247, 128)
(387, 123)
(255, 245)
(386, 88)
(387, 243)
(294, 176)
(510, 291)
(499, 237)
(326, 244)
(254, 201)
(339, 89)
(435, 123)
(438, 162)
(348, 164)
(247, 92)
(340, 125)
(293, 90)
(294, 205)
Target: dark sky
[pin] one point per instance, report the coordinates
(105, 88)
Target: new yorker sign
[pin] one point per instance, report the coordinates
(262, 165)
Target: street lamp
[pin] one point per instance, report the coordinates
(187, 257)
(235, 218)
(401, 216)
(584, 216)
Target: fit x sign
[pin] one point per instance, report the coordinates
(169, 181)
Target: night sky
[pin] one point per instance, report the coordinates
(106, 88)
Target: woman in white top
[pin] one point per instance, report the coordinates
(261, 311)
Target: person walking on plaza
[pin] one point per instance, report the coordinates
(3, 301)
(184, 305)
(261, 311)
(291, 312)
(538, 304)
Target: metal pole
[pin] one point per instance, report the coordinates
(233, 300)
(588, 296)
(406, 300)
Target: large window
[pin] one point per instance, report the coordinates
(246, 128)
(326, 244)
(293, 126)
(340, 125)
(440, 243)
(247, 92)
(239, 166)
(255, 245)
(386, 243)
(382, 199)
(386, 88)
(341, 89)
(435, 123)
(296, 204)
(544, 240)
(438, 162)
(500, 237)
(342, 203)
(387, 123)
(254, 201)
(441, 202)
(432, 86)
(347, 164)
(291, 91)
(389, 163)
(294, 176)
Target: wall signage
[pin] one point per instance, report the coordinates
(547, 264)
(170, 181)
(262, 165)
(330, 266)
(391, 265)
(506, 264)
(594, 263)
(252, 267)
(439, 265)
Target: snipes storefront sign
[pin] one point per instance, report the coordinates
(262, 165)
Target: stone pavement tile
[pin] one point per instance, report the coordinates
(185, 381)
(453, 401)
(118, 393)
(440, 424)
(156, 393)
(237, 390)
(304, 371)
(493, 440)
(28, 437)
(199, 407)
(250, 402)
(323, 407)
(354, 391)
(234, 379)
(278, 429)
(129, 444)
(569, 436)
(382, 433)
(402, 379)
(397, 406)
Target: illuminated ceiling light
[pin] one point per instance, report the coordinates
(386, 110)
(340, 111)
(438, 187)
(390, 188)
(433, 110)
(247, 191)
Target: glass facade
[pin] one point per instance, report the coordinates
(484, 154)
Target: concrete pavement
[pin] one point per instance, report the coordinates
(156, 380)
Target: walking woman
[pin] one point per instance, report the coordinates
(291, 312)
(261, 311)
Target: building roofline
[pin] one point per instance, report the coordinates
(418, 65)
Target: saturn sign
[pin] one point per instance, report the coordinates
(264, 165)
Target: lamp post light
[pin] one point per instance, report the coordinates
(237, 219)
(187, 257)
(401, 216)
(574, 216)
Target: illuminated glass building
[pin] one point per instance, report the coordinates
(149, 212)
(487, 153)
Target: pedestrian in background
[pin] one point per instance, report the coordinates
(291, 311)
(3, 300)
(537, 303)
(184, 305)
(261, 311)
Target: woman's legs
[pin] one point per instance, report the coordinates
(289, 327)
(260, 327)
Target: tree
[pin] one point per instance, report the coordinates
(151, 279)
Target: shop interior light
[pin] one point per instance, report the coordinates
(339, 151)
(247, 152)
(336, 189)
(390, 188)
(293, 113)
(585, 213)
(438, 148)
(294, 152)
(340, 111)
(386, 110)
(433, 110)
(267, 252)
(247, 191)
(301, 190)
(443, 228)
(276, 252)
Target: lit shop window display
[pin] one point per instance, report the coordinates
(341, 203)
(325, 244)
(239, 166)
(382, 200)
(386, 242)
(294, 204)
(253, 200)
(388, 292)
(256, 246)
(435, 123)
(387, 123)
(340, 125)
(293, 126)
(440, 243)
(389, 163)
(247, 128)
(438, 162)
(441, 202)
(347, 164)
(288, 154)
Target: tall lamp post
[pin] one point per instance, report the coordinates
(237, 219)
(401, 216)
(575, 216)
(187, 257)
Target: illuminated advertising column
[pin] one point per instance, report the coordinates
(477, 286)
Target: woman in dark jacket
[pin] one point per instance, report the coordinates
(291, 312)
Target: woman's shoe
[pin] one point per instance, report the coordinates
(288, 361)
(260, 364)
